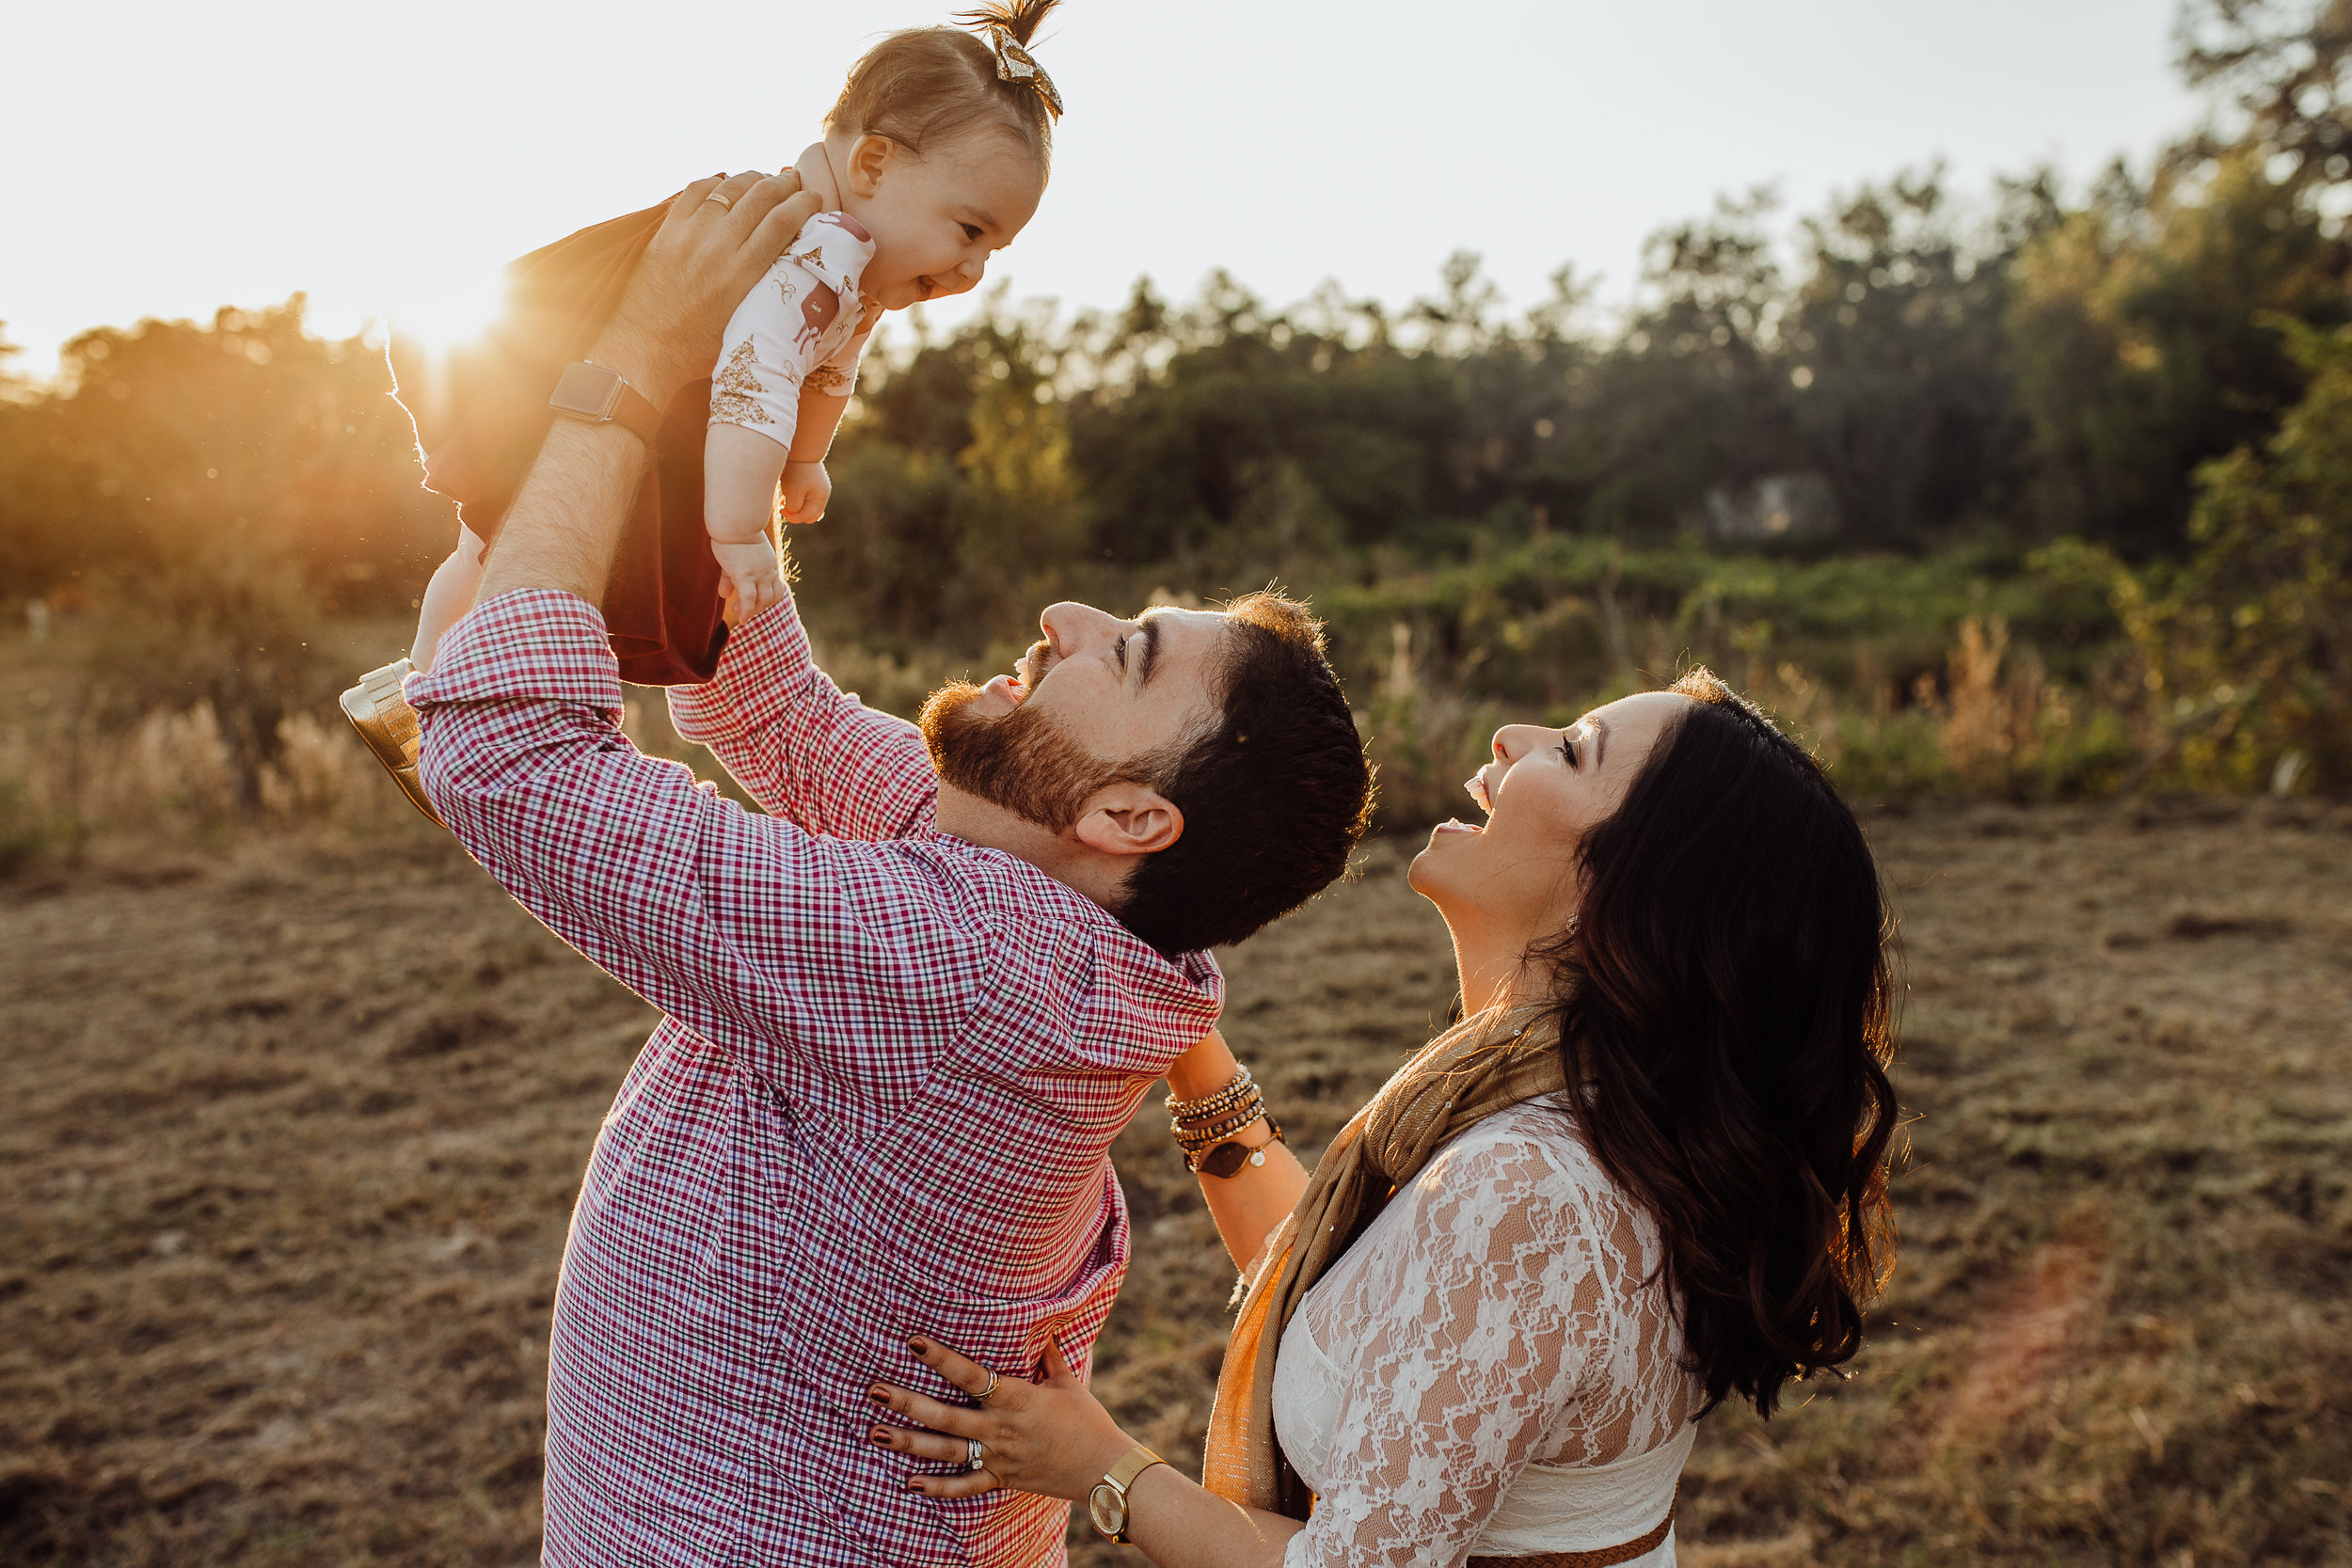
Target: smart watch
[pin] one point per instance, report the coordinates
(1108, 1503)
(598, 395)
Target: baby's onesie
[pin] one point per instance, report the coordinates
(803, 326)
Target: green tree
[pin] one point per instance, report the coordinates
(1895, 345)
(2145, 338)
(2249, 646)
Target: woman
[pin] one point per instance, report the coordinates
(1487, 1324)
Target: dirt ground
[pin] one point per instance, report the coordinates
(295, 1123)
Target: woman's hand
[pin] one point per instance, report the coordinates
(720, 236)
(1052, 1438)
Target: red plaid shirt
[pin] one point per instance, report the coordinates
(883, 1100)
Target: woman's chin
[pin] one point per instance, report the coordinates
(1448, 841)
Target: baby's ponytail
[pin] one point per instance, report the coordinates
(1017, 17)
(930, 85)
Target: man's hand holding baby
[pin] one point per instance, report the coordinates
(720, 235)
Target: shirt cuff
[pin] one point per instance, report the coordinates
(761, 674)
(534, 643)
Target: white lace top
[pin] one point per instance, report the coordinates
(1485, 1372)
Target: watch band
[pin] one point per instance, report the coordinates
(1117, 1481)
(1137, 1460)
(598, 394)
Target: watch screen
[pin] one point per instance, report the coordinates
(1108, 1508)
(585, 388)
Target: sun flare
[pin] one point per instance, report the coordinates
(448, 312)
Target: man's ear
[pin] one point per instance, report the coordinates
(1129, 820)
(869, 156)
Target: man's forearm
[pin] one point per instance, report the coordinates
(566, 525)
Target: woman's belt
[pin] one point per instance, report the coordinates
(1603, 1558)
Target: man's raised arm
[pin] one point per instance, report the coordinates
(565, 523)
(741, 925)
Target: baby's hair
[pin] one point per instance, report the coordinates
(930, 85)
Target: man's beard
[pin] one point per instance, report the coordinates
(1020, 761)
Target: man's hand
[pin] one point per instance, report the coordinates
(806, 490)
(720, 236)
(566, 520)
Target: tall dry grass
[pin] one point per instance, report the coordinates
(1991, 723)
(177, 771)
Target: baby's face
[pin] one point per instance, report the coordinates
(936, 219)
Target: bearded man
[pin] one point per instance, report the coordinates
(908, 1010)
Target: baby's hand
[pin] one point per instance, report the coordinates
(752, 580)
(806, 488)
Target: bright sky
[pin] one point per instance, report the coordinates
(164, 159)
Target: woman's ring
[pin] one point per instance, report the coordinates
(989, 1390)
(973, 1451)
(727, 203)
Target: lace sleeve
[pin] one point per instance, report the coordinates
(1461, 1333)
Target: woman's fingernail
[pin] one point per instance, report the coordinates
(881, 1438)
(913, 1485)
(917, 1340)
(877, 1395)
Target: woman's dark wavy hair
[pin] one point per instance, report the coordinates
(1726, 990)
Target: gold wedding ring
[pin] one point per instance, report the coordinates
(989, 1390)
(727, 203)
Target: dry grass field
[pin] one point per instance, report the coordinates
(294, 1123)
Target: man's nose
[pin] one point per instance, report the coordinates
(1070, 626)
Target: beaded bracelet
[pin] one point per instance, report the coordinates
(1201, 1137)
(1236, 1115)
(1232, 1092)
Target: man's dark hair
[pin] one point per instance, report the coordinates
(1275, 796)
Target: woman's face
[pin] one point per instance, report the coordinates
(1542, 793)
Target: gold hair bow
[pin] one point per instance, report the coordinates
(1016, 64)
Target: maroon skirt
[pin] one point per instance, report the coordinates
(482, 417)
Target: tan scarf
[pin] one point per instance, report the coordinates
(1479, 1066)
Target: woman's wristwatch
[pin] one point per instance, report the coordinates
(1108, 1503)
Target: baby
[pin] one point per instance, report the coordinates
(934, 155)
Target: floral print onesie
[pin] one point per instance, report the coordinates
(801, 328)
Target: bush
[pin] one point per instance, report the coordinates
(232, 642)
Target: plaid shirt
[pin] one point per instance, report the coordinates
(882, 1102)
